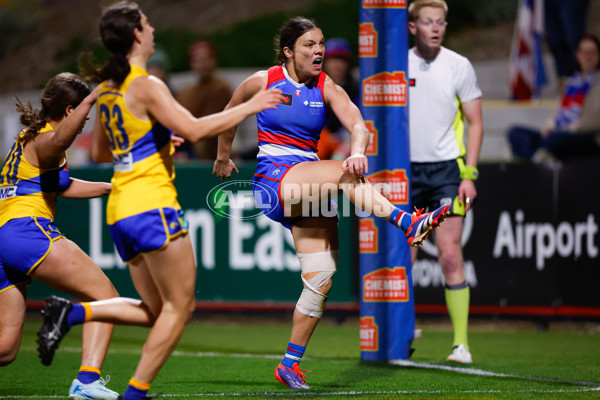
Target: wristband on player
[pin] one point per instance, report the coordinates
(357, 155)
(471, 173)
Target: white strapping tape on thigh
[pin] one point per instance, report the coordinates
(318, 262)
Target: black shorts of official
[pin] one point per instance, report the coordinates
(435, 184)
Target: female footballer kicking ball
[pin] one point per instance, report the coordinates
(289, 167)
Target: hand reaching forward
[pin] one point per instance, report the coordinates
(265, 99)
(356, 164)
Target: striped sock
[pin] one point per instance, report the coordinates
(293, 355)
(136, 390)
(88, 374)
(397, 217)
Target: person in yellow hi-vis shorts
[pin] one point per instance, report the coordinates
(443, 91)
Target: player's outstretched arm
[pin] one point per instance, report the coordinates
(163, 106)
(79, 189)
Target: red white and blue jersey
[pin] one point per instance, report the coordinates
(292, 130)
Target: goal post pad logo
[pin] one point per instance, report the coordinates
(384, 3)
(367, 40)
(373, 147)
(368, 236)
(392, 184)
(369, 334)
(386, 285)
(385, 89)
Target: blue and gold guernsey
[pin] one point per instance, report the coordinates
(142, 155)
(27, 207)
(27, 190)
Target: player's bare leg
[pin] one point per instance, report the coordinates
(309, 180)
(12, 317)
(173, 271)
(69, 269)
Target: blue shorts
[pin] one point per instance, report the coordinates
(266, 185)
(24, 244)
(436, 184)
(147, 232)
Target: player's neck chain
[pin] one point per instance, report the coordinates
(425, 64)
(426, 61)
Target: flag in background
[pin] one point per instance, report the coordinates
(526, 70)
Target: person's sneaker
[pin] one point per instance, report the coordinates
(292, 378)
(422, 225)
(55, 326)
(460, 354)
(95, 390)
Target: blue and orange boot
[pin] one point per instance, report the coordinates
(422, 225)
(291, 377)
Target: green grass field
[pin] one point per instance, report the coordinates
(234, 357)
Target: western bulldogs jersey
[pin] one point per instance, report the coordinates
(27, 190)
(293, 129)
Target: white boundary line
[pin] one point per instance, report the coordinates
(480, 372)
(315, 393)
(587, 386)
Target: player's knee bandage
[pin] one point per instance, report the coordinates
(312, 302)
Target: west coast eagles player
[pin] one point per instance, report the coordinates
(33, 176)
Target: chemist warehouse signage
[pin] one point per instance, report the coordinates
(385, 89)
(531, 244)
